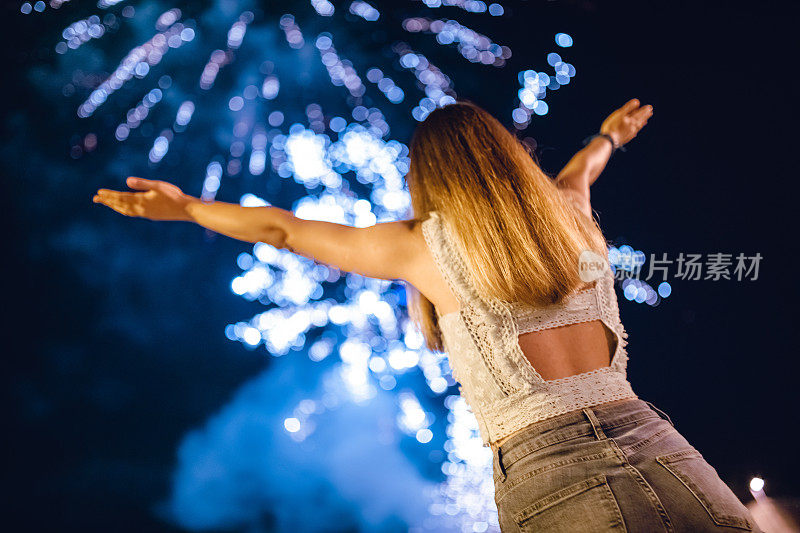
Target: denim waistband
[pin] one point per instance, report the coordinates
(587, 421)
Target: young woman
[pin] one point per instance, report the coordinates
(507, 272)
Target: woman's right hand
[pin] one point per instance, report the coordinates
(158, 200)
(624, 123)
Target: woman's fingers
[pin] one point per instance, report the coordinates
(119, 207)
(641, 115)
(118, 195)
(115, 204)
(643, 112)
(127, 203)
(630, 105)
(141, 184)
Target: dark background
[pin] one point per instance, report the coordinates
(113, 338)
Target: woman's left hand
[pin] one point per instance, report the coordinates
(624, 123)
(158, 200)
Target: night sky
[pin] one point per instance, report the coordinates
(115, 343)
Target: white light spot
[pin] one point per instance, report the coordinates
(292, 425)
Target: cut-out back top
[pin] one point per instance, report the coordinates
(501, 386)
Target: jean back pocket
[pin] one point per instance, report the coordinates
(585, 507)
(702, 480)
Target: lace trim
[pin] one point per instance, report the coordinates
(558, 397)
(609, 308)
(579, 307)
(489, 334)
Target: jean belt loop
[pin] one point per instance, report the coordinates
(596, 428)
(498, 462)
(660, 413)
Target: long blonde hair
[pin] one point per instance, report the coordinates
(520, 238)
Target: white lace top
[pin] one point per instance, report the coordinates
(498, 382)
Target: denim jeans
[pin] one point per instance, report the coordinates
(615, 467)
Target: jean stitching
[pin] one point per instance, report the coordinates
(632, 421)
(524, 449)
(616, 511)
(609, 501)
(548, 501)
(644, 485)
(526, 452)
(597, 427)
(569, 419)
(503, 491)
(719, 518)
(660, 413)
(655, 437)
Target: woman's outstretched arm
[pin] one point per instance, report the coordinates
(387, 250)
(585, 166)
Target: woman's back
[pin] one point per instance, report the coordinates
(554, 352)
(567, 350)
